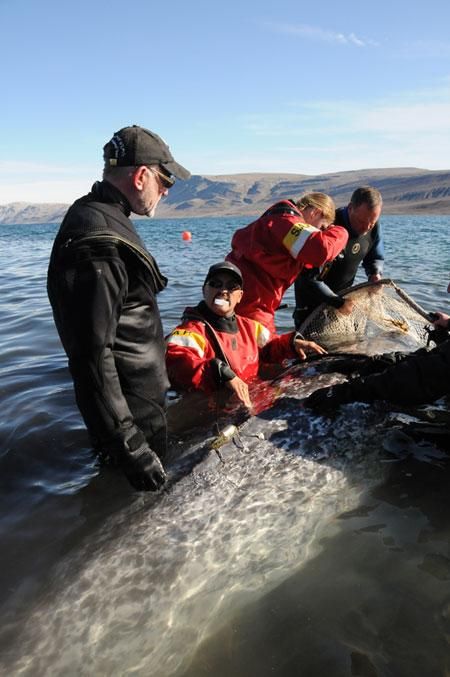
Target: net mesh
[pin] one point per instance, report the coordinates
(383, 318)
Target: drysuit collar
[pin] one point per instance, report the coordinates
(105, 192)
(202, 312)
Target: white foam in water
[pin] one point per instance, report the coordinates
(142, 595)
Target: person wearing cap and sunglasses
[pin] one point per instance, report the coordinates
(214, 348)
(102, 285)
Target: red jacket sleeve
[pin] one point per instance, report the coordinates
(189, 358)
(323, 245)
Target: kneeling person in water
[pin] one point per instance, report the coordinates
(214, 348)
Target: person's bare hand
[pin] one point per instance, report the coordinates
(241, 390)
(373, 279)
(303, 347)
(347, 308)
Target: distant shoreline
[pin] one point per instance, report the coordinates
(406, 192)
(246, 218)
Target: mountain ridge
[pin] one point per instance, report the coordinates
(405, 190)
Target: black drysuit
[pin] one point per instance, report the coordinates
(314, 286)
(102, 285)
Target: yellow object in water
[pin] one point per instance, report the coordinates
(226, 435)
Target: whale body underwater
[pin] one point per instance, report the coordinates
(156, 581)
(321, 549)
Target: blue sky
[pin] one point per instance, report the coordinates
(232, 87)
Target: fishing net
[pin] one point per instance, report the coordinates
(383, 318)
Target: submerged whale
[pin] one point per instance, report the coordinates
(243, 511)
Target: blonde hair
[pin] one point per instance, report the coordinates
(318, 201)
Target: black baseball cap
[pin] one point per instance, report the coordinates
(134, 146)
(224, 267)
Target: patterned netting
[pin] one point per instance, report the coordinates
(383, 318)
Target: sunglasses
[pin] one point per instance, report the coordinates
(166, 180)
(215, 283)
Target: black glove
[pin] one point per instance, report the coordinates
(438, 335)
(325, 400)
(222, 371)
(140, 464)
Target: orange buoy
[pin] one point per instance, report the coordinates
(186, 235)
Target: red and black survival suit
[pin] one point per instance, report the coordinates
(206, 350)
(272, 251)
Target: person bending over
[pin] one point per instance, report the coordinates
(365, 245)
(274, 249)
(214, 348)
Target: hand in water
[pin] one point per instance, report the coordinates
(303, 347)
(241, 389)
(142, 466)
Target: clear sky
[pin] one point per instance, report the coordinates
(233, 86)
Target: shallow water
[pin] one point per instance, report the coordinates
(324, 551)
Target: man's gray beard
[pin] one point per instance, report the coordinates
(139, 208)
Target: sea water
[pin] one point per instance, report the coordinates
(323, 551)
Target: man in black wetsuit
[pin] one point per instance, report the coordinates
(365, 245)
(102, 285)
(416, 378)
